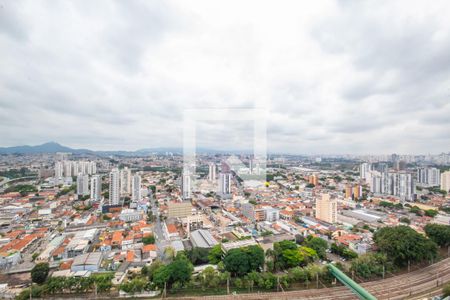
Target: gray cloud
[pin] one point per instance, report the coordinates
(335, 76)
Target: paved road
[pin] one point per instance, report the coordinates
(406, 286)
(161, 240)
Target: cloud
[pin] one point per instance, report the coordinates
(335, 76)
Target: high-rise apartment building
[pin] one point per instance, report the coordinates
(225, 184)
(396, 183)
(313, 179)
(212, 172)
(82, 184)
(136, 194)
(96, 188)
(125, 181)
(364, 170)
(58, 170)
(186, 186)
(445, 181)
(326, 209)
(429, 176)
(114, 189)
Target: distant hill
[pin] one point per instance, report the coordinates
(50, 147)
(53, 147)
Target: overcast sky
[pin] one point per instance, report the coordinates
(335, 76)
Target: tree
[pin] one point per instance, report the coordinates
(370, 265)
(440, 234)
(198, 256)
(405, 220)
(236, 262)
(215, 254)
(431, 213)
(318, 244)
(416, 210)
(180, 270)
(148, 240)
(403, 244)
(39, 273)
(135, 285)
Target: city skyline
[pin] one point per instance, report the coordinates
(335, 77)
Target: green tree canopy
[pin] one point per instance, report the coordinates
(39, 273)
(402, 244)
(440, 234)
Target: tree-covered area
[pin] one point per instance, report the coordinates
(23, 189)
(403, 244)
(440, 234)
(68, 285)
(16, 173)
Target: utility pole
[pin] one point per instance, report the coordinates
(31, 290)
(278, 283)
(409, 265)
(317, 280)
(384, 270)
(228, 285)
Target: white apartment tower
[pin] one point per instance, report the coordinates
(82, 184)
(225, 184)
(125, 181)
(212, 172)
(186, 186)
(136, 188)
(326, 209)
(96, 188)
(364, 170)
(114, 182)
(58, 170)
(445, 181)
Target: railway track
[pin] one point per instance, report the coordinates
(398, 287)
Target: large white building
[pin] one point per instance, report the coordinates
(136, 188)
(429, 176)
(445, 181)
(225, 184)
(58, 170)
(82, 184)
(212, 172)
(114, 191)
(326, 209)
(96, 188)
(125, 181)
(186, 186)
(396, 183)
(364, 170)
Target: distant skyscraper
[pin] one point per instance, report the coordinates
(96, 188)
(212, 172)
(136, 188)
(225, 184)
(326, 209)
(58, 170)
(114, 192)
(82, 184)
(186, 186)
(445, 181)
(125, 181)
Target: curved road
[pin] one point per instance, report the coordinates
(428, 279)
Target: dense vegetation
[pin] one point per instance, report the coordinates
(403, 244)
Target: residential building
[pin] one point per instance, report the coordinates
(136, 195)
(212, 172)
(186, 185)
(114, 183)
(82, 184)
(179, 209)
(429, 176)
(225, 184)
(96, 188)
(445, 181)
(125, 181)
(326, 209)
